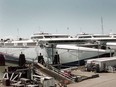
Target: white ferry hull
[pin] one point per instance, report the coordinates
(68, 54)
(71, 55)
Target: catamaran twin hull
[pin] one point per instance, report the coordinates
(69, 54)
(73, 55)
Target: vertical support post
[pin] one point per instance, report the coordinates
(110, 53)
(78, 56)
(32, 70)
(52, 53)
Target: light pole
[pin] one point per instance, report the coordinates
(98, 44)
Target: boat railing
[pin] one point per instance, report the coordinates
(61, 72)
(54, 72)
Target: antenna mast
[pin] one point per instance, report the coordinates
(102, 25)
(18, 33)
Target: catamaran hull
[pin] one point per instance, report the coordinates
(12, 54)
(70, 55)
(74, 55)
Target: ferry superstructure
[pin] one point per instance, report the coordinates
(108, 39)
(70, 53)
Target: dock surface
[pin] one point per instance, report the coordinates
(105, 80)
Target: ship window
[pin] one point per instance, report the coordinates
(56, 36)
(31, 44)
(19, 44)
(114, 36)
(9, 44)
(48, 36)
(37, 37)
(101, 36)
(85, 37)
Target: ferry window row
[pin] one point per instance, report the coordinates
(21, 44)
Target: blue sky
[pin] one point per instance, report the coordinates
(25, 17)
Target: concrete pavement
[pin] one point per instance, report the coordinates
(105, 80)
